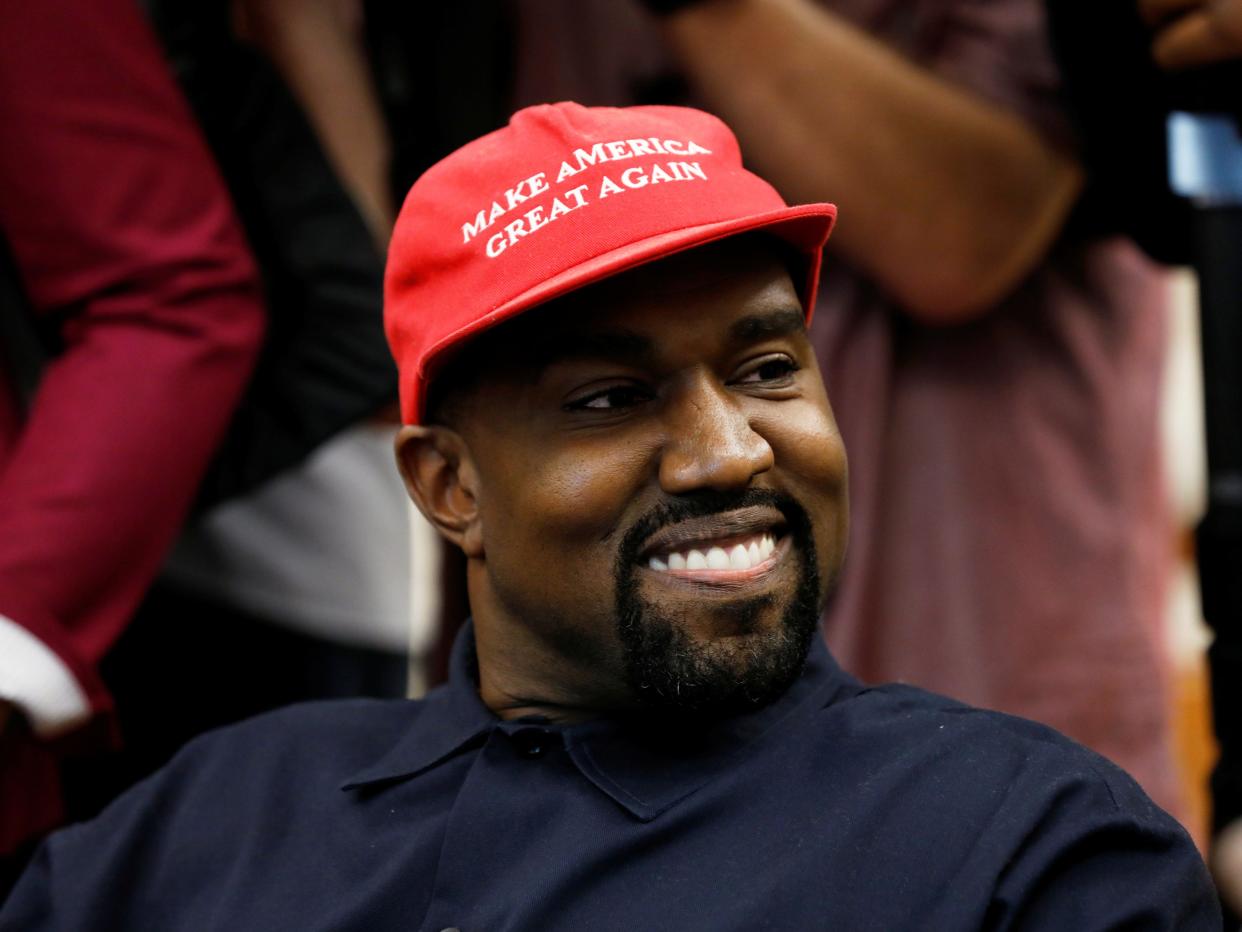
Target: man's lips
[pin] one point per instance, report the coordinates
(734, 546)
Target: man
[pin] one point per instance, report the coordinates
(614, 410)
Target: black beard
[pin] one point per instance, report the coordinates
(664, 666)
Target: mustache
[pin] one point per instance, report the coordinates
(708, 502)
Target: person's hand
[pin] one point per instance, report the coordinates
(1226, 859)
(1190, 33)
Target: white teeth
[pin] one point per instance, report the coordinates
(739, 558)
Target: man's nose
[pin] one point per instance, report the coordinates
(710, 442)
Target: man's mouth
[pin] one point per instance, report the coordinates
(744, 554)
(732, 547)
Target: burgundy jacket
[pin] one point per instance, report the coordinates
(130, 256)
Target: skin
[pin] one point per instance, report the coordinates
(634, 393)
(1226, 863)
(1193, 33)
(317, 46)
(828, 113)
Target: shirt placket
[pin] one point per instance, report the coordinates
(496, 832)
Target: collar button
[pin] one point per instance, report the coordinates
(532, 742)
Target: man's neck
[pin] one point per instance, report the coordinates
(522, 676)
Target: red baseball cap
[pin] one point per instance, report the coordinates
(564, 196)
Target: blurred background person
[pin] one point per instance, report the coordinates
(994, 370)
(300, 577)
(132, 317)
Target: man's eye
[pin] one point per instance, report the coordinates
(617, 396)
(774, 369)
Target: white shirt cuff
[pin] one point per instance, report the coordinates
(38, 683)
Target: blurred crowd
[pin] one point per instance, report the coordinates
(199, 515)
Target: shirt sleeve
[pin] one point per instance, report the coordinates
(33, 678)
(1001, 51)
(128, 249)
(1101, 856)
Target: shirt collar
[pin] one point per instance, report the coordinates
(644, 767)
(451, 717)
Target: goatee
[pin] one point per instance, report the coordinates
(668, 670)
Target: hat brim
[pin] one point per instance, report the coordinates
(806, 227)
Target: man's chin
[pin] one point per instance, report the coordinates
(740, 657)
(720, 620)
(708, 639)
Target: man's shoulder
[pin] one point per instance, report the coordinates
(320, 742)
(265, 790)
(296, 755)
(903, 709)
(965, 750)
(975, 813)
(285, 730)
(358, 723)
(915, 717)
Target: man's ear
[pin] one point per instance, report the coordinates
(441, 480)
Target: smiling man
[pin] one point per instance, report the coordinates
(648, 483)
(619, 419)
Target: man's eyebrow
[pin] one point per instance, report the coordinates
(760, 326)
(618, 345)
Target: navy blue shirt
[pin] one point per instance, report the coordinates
(839, 807)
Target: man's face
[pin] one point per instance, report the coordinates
(660, 488)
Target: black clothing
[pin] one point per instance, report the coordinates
(838, 807)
